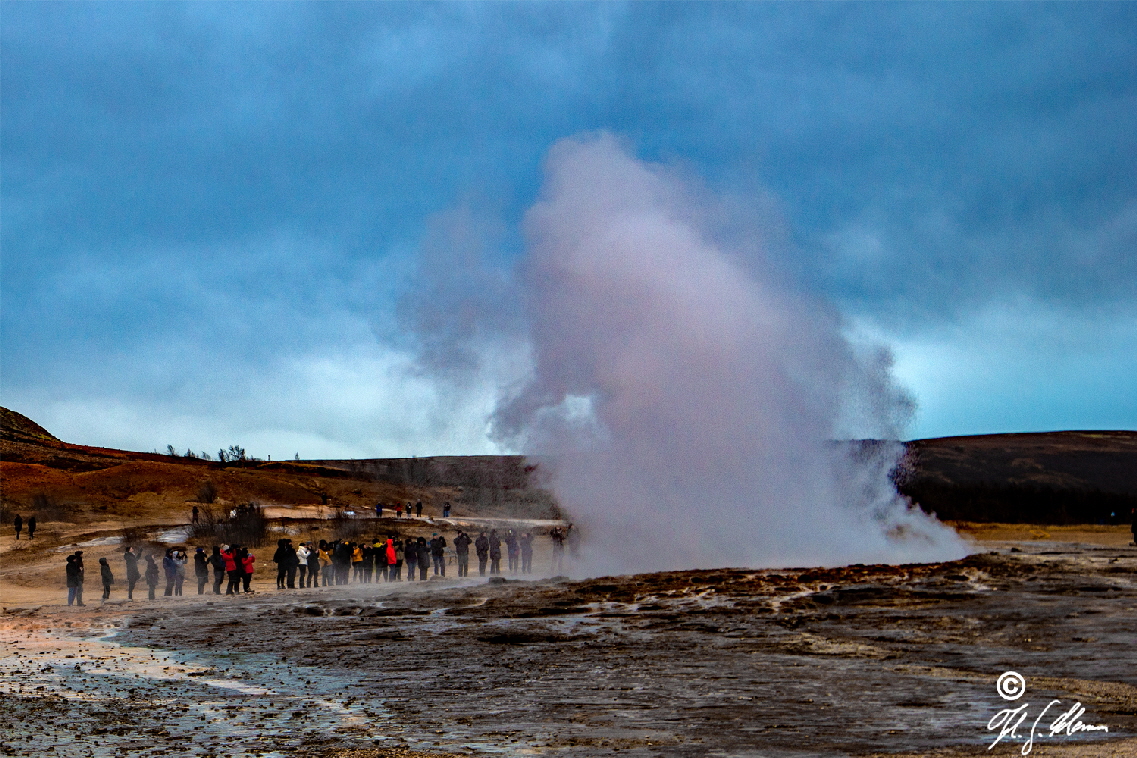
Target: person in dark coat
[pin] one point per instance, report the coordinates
(151, 574)
(342, 560)
(280, 558)
(31, 527)
(217, 562)
(495, 552)
(313, 565)
(201, 569)
(132, 573)
(410, 554)
(107, 577)
(170, 567)
(74, 581)
(512, 551)
(462, 550)
(19, 524)
(526, 543)
(438, 554)
(423, 558)
(482, 546)
(418, 508)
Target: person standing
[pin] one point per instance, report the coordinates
(526, 553)
(438, 554)
(180, 561)
(378, 510)
(107, 577)
(356, 562)
(423, 558)
(132, 573)
(248, 563)
(74, 581)
(446, 510)
(313, 565)
(31, 527)
(327, 565)
(512, 551)
(233, 569)
(19, 524)
(495, 553)
(151, 574)
(217, 562)
(412, 558)
(482, 547)
(171, 571)
(281, 561)
(391, 556)
(399, 510)
(201, 569)
(194, 515)
(462, 550)
(302, 564)
(418, 509)
(558, 538)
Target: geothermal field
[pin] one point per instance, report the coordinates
(824, 660)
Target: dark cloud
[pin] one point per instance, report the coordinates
(237, 180)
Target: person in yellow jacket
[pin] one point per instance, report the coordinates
(357, 562)
(325, 563)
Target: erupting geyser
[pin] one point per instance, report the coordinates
(690, 399)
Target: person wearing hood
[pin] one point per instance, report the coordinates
(107, 577)
(74, 581)
(201, 569)
(151, 574)
(132, 573)
(391, 555)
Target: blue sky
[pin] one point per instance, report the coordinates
(216, 217)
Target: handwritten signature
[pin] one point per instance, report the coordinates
(1012, 686)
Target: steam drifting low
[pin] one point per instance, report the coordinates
(689, 396)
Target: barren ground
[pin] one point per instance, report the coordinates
(861, 660)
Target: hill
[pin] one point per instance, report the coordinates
(78, 483)
(1051, 477)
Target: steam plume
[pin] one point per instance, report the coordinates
(688, 397)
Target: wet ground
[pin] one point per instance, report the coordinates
(859, 660)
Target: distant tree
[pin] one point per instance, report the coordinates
(190, 454)
(298, 456)
(206, 456)
(170, 451)
(236, 453)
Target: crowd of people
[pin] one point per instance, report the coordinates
(319, 563)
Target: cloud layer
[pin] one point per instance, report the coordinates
(198, 198)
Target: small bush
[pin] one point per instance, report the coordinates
(206, 493)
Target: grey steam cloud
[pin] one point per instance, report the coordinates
(688, 396)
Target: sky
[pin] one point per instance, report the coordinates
(248, 223)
